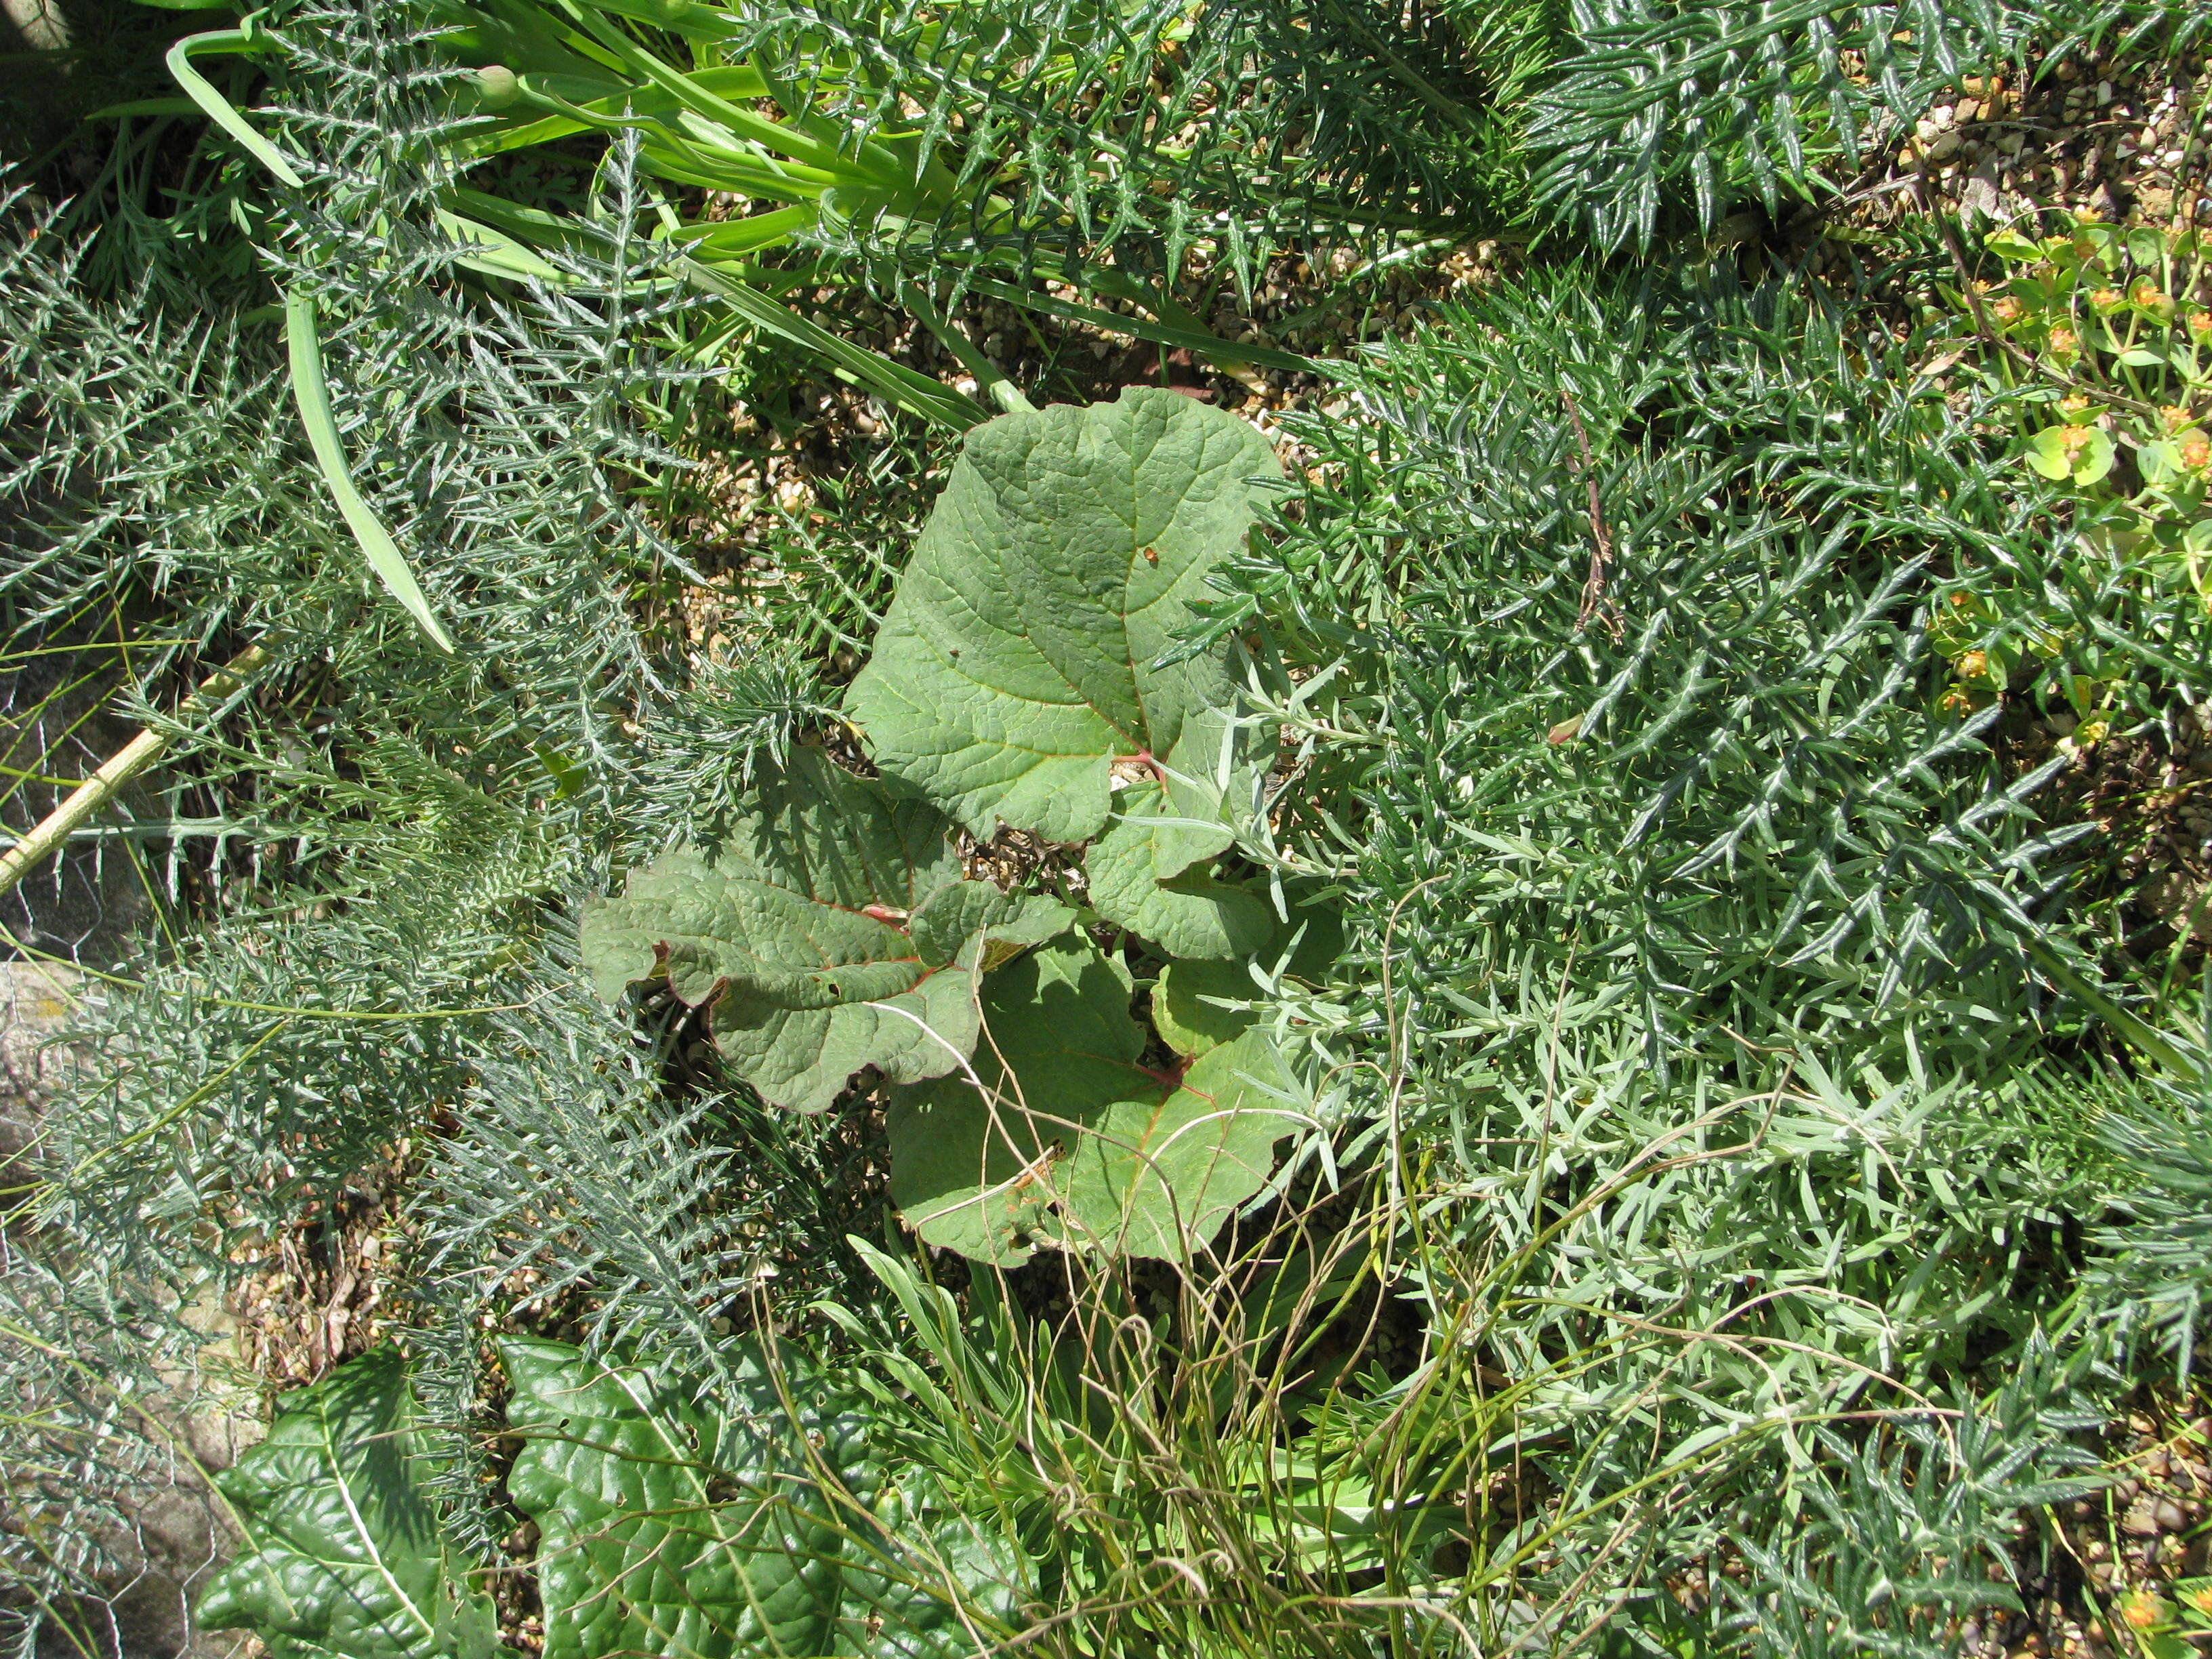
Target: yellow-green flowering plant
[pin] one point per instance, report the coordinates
(2107, 334)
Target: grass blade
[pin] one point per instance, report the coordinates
(907, 389)
(314, 397)
(218, 108)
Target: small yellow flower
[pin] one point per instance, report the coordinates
(2151, 298)
(2196, 451)
(2074, 440)
(1973, 666)
(2107, 300)
(2200, 1598)
(2075, 406)
(2142, 1610)
(2176, 417)
(2200, 324)
(2008, 310)
(2065, 343)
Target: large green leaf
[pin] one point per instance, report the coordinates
(930, 1582)
(1017, 662)
(1191, 1000)
(1064, 1134)
(343, 1556)
(665, 1529)
(669, 1531)
(1142, 877)
(1159, 1172)
(834, 932)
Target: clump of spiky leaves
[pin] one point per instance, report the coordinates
(380, 827)
(1684, 921)
(1709, 807)
(1007, 147)
(1661, 117)
(2152, 1281)
(1681, 111)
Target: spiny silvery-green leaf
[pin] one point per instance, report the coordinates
(1142, 878)
(343, 1556)
(833, 931)
(1063, 1133)
(1017, 663)
(667, 1528)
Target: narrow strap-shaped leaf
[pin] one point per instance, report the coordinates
(1212, 347)
(314, 397)
(913, 391)
(218, 109)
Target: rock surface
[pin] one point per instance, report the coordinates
(176, 1530)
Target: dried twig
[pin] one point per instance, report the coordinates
(1596, 600)
(133, 759)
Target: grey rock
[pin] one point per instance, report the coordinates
(36, 1001)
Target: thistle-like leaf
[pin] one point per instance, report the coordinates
(1017, 662)
(1063, 1133)
(343, 1556)
(835, 930)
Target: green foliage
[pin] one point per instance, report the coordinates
(1683, 1049)
(1061, 1132)
(834, 932)
(1182, 1478)
(1715, 773)
(2105, 337)
(1667, 110)
(2152, 1282)
(636, 1552)
(1686, 928)
(2125, 29)
(1141, 877)
(664, 1528)
(1020, 660)
(1002, 148)
(343, 1555)
(1659, 118)
(1901, 1547)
